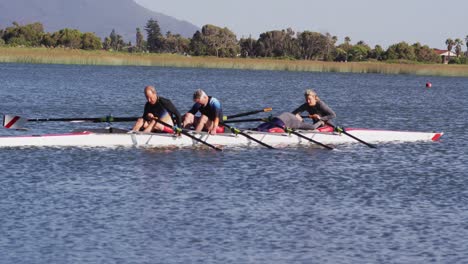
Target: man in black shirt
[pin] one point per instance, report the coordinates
(160, 108)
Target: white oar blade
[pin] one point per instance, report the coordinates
(13, 122)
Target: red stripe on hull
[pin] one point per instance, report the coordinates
(437, 136)
(12, 122)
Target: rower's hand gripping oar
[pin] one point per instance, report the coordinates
(237, 131)
(268, 109)
(183, 132)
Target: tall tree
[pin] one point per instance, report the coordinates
(28, 35)
(425, 54)
(466, 42)
(221, 42)
(214, 41)
(89, 41)
(330, 48)
(401, 51)
(197, 46)
(377, 53)
(458, 46)
(248, 47)
(113, 40)
(347, 40)
(313, 45)
(70, 38)
(450, 43)
(139, 40)
(277, 43)
(154, 37)
(346, 48)
(175, 43)
(360, 51)
(106, 44)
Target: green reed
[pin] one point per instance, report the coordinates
(81, 57)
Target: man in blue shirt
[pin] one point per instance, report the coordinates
(211, 114)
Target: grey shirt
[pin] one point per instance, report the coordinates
(320, 108)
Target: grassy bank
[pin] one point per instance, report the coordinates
(65, 56)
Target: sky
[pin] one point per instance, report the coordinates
(383, 22)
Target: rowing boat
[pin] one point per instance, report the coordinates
(112, 137)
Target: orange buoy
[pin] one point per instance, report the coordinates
(428, 85)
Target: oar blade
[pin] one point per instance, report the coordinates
(13, 122)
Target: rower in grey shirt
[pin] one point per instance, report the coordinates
(318, 111)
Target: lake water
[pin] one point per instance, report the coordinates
(399, 203)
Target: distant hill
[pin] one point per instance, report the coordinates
(98, 16)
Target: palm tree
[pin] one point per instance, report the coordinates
(466, 42)
(449, 42)
(347, 40)
(458, 46)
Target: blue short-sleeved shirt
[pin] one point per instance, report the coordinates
(211, 110)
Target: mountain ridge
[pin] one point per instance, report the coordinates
(98, 16)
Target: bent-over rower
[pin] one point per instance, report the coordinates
(157, 107)
(211, 114)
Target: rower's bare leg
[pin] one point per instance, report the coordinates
(189, 119)
(208, 125)
(201, 123)
(150, 126)
(158, 127)
(139, 124)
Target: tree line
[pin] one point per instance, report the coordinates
(212, 40)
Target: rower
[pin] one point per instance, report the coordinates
(157, 107)
(318, 111)
(211, 114)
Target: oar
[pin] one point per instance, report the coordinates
(248, 113)
(291, 131)
(107, 119)
(11, 121)
(237, 131)
(342, 130)
(183, 132)
(287, 129)
(247, 120)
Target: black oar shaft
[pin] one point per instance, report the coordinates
(85, 119)
(190, 136)
(236, 131)
(342, 130)
(249, 113)
(309, 139)
(357, 139)
(247, 120)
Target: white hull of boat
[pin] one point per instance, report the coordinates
(156, 140)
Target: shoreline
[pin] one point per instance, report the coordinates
(107, 58)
